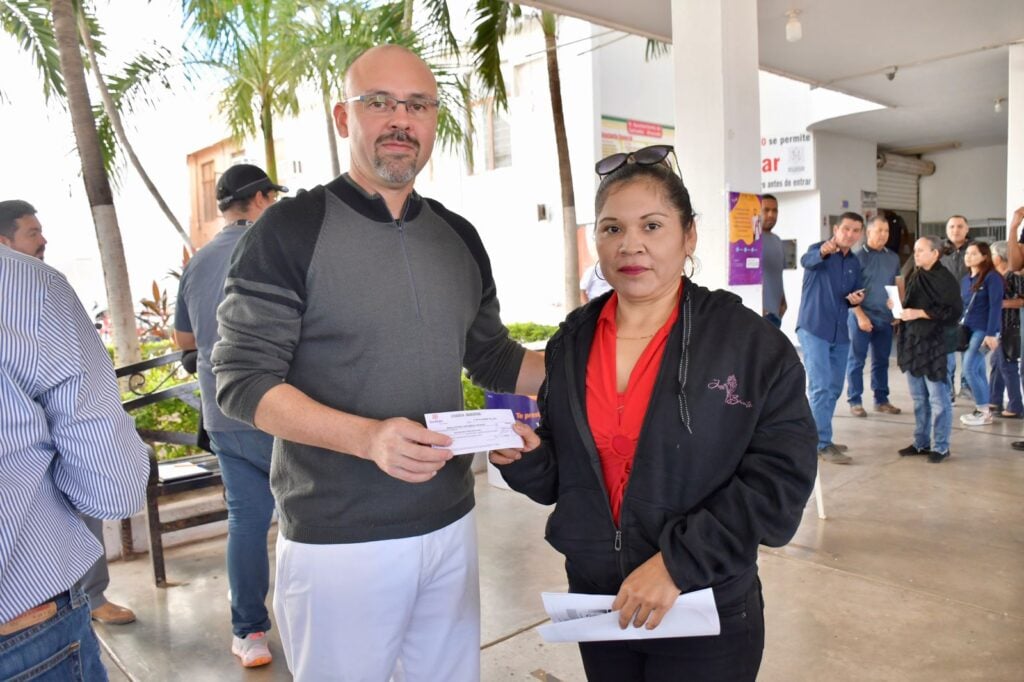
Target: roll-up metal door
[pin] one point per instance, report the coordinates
(897, 190)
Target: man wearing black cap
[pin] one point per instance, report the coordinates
(243, 193)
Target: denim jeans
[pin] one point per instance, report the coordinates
(825, 364)
(974, 368)
(879, 339)
(1004, 376)
(245, 468)
(774, 319)
(61, 649)
(951, 372)
(933, 413)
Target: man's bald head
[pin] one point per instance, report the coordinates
(370, 60)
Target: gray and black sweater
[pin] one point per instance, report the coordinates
(368, 315)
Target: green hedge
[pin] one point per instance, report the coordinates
(167, 415)
(175, 415)
(525, 332)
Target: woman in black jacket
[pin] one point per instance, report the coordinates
(675, 438)
(931, 307)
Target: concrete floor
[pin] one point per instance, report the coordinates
(917, 574)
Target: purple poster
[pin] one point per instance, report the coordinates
(744, 238)
(523, 407)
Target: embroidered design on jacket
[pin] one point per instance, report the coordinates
(731, 397)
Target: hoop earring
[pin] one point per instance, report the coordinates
(689, 261)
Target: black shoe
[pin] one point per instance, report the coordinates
(936, 457)
(1017, 445)
(913, 450)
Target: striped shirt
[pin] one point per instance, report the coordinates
(66, 445)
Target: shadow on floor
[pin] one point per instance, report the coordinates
(917, 574)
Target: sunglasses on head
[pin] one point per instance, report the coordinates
(648, 156)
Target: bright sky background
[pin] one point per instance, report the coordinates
(42, 167)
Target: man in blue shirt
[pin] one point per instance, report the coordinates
(244, 192)
(870, 323)
(67, 448)
(832, 284)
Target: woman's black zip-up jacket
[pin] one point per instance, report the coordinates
(725, 462)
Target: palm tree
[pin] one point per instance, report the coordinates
(28, 22)
(97, 184)
(254, 43)
(334, 38)
(143, 65)
(571, 277)
(492, 23)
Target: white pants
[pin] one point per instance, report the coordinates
(405, 610)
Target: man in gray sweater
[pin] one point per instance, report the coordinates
(350, 312)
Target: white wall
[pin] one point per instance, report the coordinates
(526, 253)
(845, 166)
(971, 182)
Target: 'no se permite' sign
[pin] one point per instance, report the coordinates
(787, 162)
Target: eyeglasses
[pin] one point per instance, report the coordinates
(648, 156)
(381, 104)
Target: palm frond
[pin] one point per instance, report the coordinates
(491, 25)
(440, 34)
(656, 50)
(135, 82)
(455, 95)
(28, 22)
(112, 163)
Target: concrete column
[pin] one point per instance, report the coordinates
(1015, 132)
(717, 121)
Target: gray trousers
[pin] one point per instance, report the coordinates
(95, 581)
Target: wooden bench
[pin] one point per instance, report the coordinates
(176, 476)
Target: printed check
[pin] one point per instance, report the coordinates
(476, 430)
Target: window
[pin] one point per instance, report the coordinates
(208, 191)
(492, 137)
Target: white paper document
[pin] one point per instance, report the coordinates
(173, 471)
(476, 430)
(894, 296)
(589, 618)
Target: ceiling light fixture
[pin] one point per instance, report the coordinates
(998, 108)
(794, 31)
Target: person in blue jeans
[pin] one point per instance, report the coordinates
(833, 282)
(982, 294)
(931, 307)
(243, 193)
(1015, 257)
(871, 323)
(1004, 376)
(67, 449)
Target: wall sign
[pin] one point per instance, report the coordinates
(787, 162)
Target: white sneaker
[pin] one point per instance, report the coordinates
(252, 650)
(980, 419)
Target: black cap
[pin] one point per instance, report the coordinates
(241, 182)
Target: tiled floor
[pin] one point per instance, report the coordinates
(917, 574)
